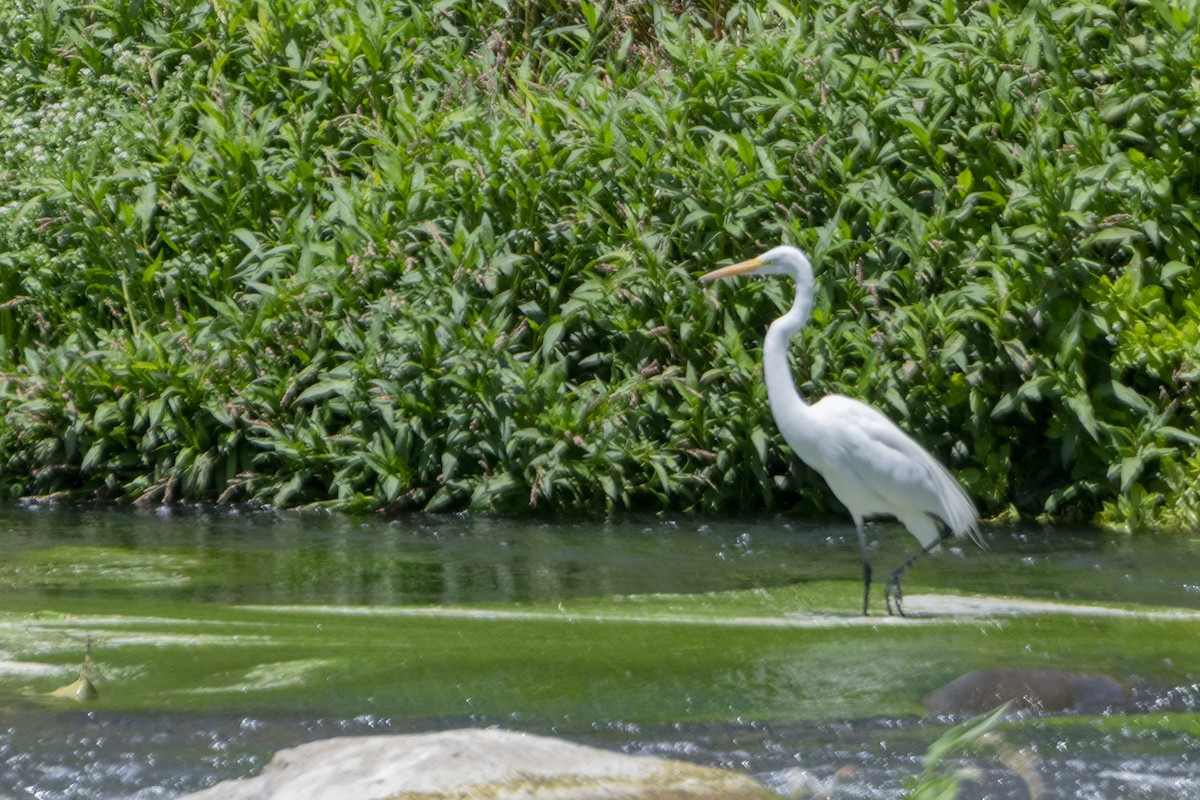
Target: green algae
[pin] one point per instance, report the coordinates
(104, 568)
(785, 654)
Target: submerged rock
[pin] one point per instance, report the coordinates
(477, 765)
(1028, 689)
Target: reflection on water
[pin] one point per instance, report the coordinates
(318, 558)
(288, 559)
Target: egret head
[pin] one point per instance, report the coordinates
(782, 260)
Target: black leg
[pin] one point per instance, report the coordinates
(866, 564)
(866, 586)
(892, 590)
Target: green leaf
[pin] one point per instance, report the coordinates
(965, 181)
(1082, 406)
(932, 786)
(759, 439)
(1130, 398)
(146, 206)
(1004, 406)
(323, 390)
(1112, 235)
(1172, 269)
(1037, 388)
(248, 238)
(551, 337)
(1131, 468)
(1175, 434)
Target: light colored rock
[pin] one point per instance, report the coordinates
(477, 765)
(1033, 689)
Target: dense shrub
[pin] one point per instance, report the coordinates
(442, 255)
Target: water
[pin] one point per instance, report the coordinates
(222, 638)
(318, 558)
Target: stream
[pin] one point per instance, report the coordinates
(215, 639)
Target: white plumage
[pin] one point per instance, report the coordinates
(871, 465)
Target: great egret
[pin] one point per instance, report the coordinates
(871, 465)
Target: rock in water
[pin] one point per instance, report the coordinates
(477, 765)
(1047, 690)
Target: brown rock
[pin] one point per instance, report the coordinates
(1027, 689)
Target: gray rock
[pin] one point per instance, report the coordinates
(477, 765)
(1047, 690)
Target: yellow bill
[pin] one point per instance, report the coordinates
(735, 269)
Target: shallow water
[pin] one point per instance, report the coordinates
(187, 612)
(319, 558)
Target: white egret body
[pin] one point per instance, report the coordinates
(871, 465)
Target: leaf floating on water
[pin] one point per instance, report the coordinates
(81, 690)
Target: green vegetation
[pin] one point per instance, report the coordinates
(932, 784)
(442, 255)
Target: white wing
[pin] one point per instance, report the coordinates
(875, 468)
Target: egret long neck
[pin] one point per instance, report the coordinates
(790, 410)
